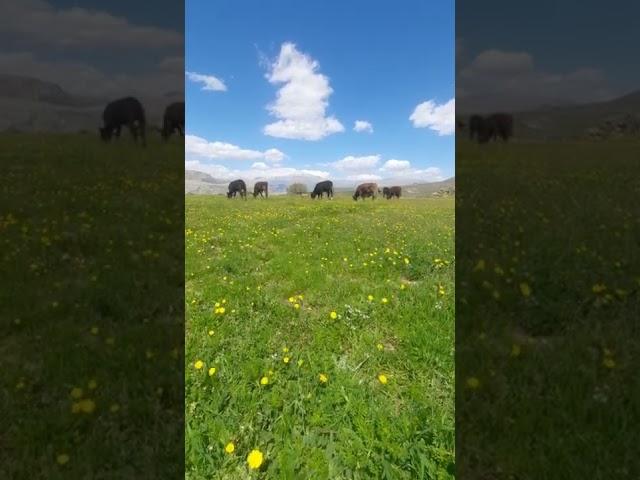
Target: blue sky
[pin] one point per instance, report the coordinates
(332, 63)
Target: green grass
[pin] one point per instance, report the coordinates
(92, 237)
(556, 371)
(254, 257)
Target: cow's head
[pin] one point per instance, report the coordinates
(355, 196)
(313, 194)
(105, 134)
(229, 194)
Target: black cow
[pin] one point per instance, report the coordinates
(365, 190)
(237, 186)
(173, 120)
(125, 111)
(260, 188)
(476, 123)
(321, 188)
(491, 127)
(390, 192)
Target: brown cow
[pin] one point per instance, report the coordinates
(261, 188)
(390, 192)
(365, 190)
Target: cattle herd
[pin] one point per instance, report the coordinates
(489, 127)
(129, 112)
(364, 190)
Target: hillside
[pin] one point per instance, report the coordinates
(618, 116)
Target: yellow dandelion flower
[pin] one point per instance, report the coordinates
(406, 260)
(300, 362)
(370, 298)
(608, 362)
(62, 458)
(286, 359)
(300, 297)
(333, 315)
(264, 381)
(76, 392)
(212, 371)
(525, 289)
(87, 405)
(402, 286)
(93, 384)
(515, 350)
(323, 378)
(255, 459)
(198, 364)
(217, 304)
(380, 347)
(221, 310)
(382, 378)
(210, 332)
(292, 300)
(285, 350)
(385, 300)
(94, 330)
(229, 447)
(296, 306)
(473, 382)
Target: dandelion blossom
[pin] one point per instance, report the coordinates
(370, 298)
(515, 350)
(212, 371)
(473, 383)
(286, 359)
(382, 378)
(62, 458)
(198, 364)
(229, 447)
(255, 459)
(525, 289)
(380, 347)
(87, 405)
(76, 392)
(385, 300)
(609, 362)
(333, 315)
(264, 381)
(323, 378)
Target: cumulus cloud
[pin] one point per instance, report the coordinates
(258, 171)
(302, 100)
(394, 165)
(194, 145)
(363, 126)
(439, 118)
(364, 177)
(355, 164)
(507, 80)
(36, 22)
(209, 82)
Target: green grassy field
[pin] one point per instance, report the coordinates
(547, 310)
(91, 309)
(321, 334)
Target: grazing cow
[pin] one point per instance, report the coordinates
(173, 120)
(365, 190)
(475, 125)
(125, 111)
(260, 188)
(321, 188)
(390, 192)
(237, 186)
(491, 127)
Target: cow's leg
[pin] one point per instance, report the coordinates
(134, 131)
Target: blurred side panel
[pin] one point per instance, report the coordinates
(548, 259)
(91, 228)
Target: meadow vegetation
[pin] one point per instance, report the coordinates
(319, 338)
(91, 336)
(547, 309)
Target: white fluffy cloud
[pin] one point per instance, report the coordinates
(363, 126)
(302, 100)
(440, 118)
(394, 165)
(356, 164)
(209, 82)
(507, 80)
(37, 22)
(194, 145)
(258, 171)
(364, 177)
